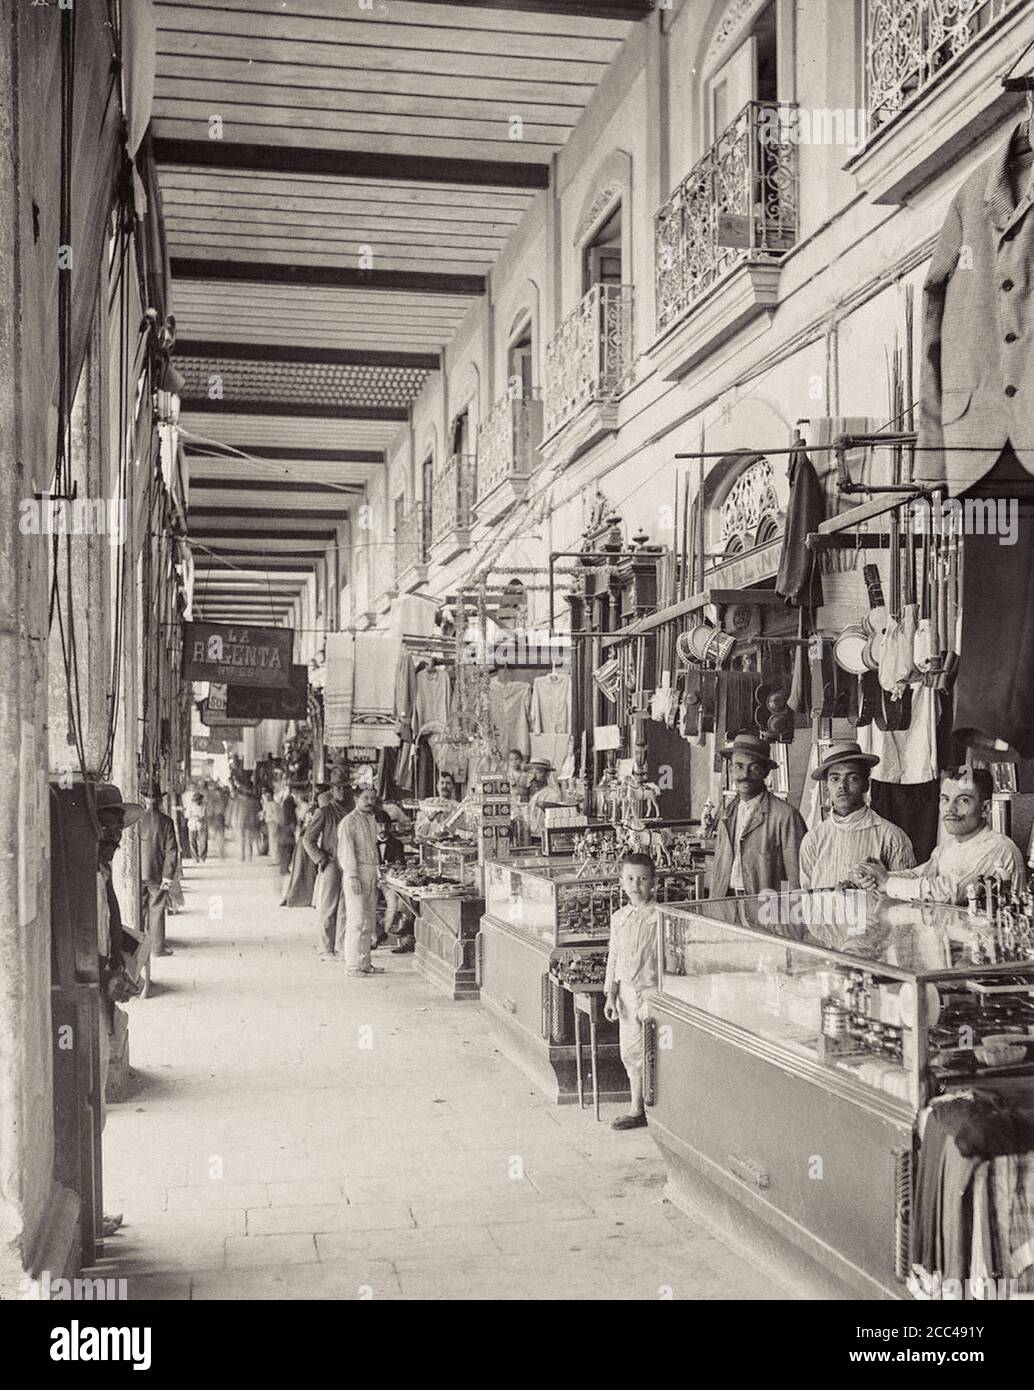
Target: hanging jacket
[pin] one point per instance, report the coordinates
(798, 578)
(977, 378)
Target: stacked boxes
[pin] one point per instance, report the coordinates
(492, 802)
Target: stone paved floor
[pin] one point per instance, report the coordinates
(297, 1134)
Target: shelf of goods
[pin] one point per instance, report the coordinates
(537, 910)
(790, 1046)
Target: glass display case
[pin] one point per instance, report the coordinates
(457, 861)
(899, 997)
(554, 904)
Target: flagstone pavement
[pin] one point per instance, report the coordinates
(296, 1134)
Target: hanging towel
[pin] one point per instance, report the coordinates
(337, 694)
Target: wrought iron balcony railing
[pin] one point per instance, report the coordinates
(909, 44)
(409, 540)
(452, 507)
(739, 203)
(507, 442)
(589, 358)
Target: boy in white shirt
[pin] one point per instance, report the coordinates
(631, 970)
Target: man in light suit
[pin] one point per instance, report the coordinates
(320, 844)
(359, 858)
(759, 837)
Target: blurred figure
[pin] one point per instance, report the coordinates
(248, 821)
(216, 798)
(285, 835)
(390, 853)
(197, 825)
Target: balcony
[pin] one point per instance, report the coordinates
(931, 86)
(508, 454)
(410, 552)
(721, 235)
(588, 365)
(452, 507)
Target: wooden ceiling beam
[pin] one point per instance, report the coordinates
(325, 277)
(259, 484)
(324, 357)
(201, 405)
(362, 164)
(581, 9)
(285, 453)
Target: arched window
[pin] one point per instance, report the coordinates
(749, 516)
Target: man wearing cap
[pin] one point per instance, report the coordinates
(853, 832)
(159, 860)
(972, 849)
(320, 844)
(113, 816)
(759, 836)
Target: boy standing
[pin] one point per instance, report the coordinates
(631, 970)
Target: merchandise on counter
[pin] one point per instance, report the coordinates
(574, 968)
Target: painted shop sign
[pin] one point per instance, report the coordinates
(231, 654)
(255, 702)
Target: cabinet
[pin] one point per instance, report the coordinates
(791, 1043)
(537, 910)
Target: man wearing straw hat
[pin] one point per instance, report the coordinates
(853, 832)
(759, 836)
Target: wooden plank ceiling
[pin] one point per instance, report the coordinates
(338, 179)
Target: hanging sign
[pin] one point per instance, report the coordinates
(256, 702)
(231, 654)
(219, 722)
(606, 737)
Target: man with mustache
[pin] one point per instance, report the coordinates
(853, 832)
(759, 837)
(973, 849)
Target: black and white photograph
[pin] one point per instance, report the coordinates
(517, 677)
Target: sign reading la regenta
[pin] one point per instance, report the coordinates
(236, 655)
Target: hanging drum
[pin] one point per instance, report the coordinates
(849, 649)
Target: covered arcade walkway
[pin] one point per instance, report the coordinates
(296, 1134)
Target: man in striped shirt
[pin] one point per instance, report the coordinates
(853, 832)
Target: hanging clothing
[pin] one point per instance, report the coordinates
(914, 807)
(996, 662)
(551, 718)
(433, 696)
(405, 697)
(509, 704)
(798, 580)
(907, 755)
(977, 379)
(832, 849)
(337, 694)
(373, 691)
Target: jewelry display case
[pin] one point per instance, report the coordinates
(456, 861)
(558, 906)
(537, 909)
(834, 1017)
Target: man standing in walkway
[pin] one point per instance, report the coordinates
(759, 837)
(320, 842)
(360, 865)
(159, 860)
